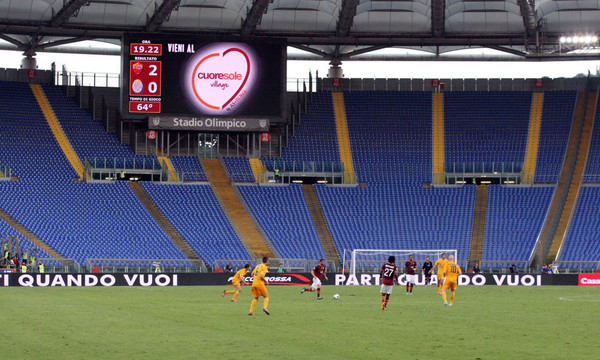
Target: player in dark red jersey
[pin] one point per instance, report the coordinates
(388, 276)
(409, 271)
(318, 273)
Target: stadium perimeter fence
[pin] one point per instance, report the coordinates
(289, 265)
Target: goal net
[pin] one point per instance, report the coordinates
(370, 260)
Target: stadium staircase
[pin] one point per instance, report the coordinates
(438, 138)
(342, 135)
(234, 209)
(320, 224)
(533, 138)
(257, 169)
(577, 179)
(57, 130)
(479, 222)
(29, 235)
(570, 153)
(162, 221)
(169, 165)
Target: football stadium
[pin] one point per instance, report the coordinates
(202, 203)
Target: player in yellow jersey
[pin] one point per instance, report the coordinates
(451, 272)
(439, 264)
(238, 279)
(258, 286)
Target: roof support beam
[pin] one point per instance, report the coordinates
(529, 16)
(322, 54)
(15, 42)
(161, 14)
(71, 8)
(346, 18)
(255, 14)
(369, 49)
(438, 18)
(507, 50)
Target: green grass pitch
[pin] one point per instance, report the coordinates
(485, 322)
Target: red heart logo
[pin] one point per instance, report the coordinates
(137, 68)
(217, 79)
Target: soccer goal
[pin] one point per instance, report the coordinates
(370, 260)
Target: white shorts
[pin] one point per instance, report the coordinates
(316, 283)
(386, 289)
(410, 279)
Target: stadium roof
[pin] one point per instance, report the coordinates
(325, 29)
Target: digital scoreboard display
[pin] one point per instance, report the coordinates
(175, 75)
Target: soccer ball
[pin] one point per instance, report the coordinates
(336, 296)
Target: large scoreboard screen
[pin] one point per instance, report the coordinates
(198, 76)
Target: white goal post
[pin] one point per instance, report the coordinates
(373, 258)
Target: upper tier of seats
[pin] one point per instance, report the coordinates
(315, 139)
(188, 167)
(195, 212)
(239, 169)
(486, 127)
(283, 214)
(557, 116)
(389, 216)
(592, 170)
(390, 135)
(28, 146)
(87, 136)
(582, 242)
(514, 219)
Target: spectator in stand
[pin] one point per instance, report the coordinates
(25, 256)
(229, 268)
(546, 269)
(24, 267)
(476, 269)
(41, 268)
(513, 269)
(280, 269)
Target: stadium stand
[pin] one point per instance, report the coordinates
(392, 216)
(592, 170)
(486, 127)
(314, 140)
(79, 220)
(581, 242)
(188, 168)
(87, 136)
(284, 216)
(86, 220)
(513, 222)
(557, 116)
(390, 135)
(239, 169)
(6, 231)
(195, 212)
(28, 145)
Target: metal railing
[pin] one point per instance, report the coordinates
(303, 166)
(503, 266)
(123, 163)
(476, 167)
(289, 265)
(146, 265)
(576, 266)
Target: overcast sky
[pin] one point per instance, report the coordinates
(352, 69)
